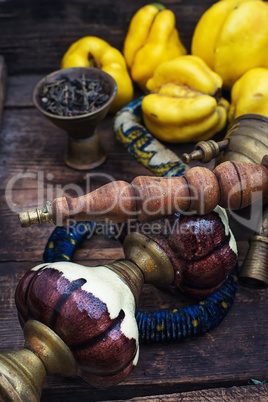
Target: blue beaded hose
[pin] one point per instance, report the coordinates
(64, 241)
(187, 322)
(167, 325)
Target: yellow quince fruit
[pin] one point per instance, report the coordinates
(184, 103)
(232, 38)
(249, 94)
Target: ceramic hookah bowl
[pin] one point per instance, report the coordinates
(84, 150)
(80, 321)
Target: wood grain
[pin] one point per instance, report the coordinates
(3, 84)
(216, 366)
(229, 355)
(39, 34)
(251, 393)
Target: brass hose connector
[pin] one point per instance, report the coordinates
(37, 215)
(205, 151)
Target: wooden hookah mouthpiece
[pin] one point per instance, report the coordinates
(232, 185)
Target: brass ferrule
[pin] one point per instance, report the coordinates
(145, 262)
(36, 216)
(205, 151)
(131, 274)
(254, 270)
(23, 371)
(152, 260)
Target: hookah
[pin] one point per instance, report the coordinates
(232, 185)
(86, 325)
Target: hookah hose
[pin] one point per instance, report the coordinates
(164, 325)
(140, 143)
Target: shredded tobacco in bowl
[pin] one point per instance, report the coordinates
(73, 97)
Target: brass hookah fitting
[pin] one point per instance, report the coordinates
(246, 140)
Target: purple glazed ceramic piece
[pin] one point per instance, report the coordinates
(91, 310)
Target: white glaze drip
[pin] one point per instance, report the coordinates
(224, 218)
(108, 287)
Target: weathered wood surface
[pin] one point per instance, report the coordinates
(3, 84)
(230, 355)
(256, 393)
(35, 35)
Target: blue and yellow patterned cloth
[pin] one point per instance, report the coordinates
(141, 144)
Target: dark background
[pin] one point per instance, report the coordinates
(34, 35)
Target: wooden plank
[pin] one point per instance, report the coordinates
(20, 90)
(251, 393)
(3, 84)
(33, 38)
(238, 394)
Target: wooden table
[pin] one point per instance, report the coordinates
(32, 170)
(217, 366)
